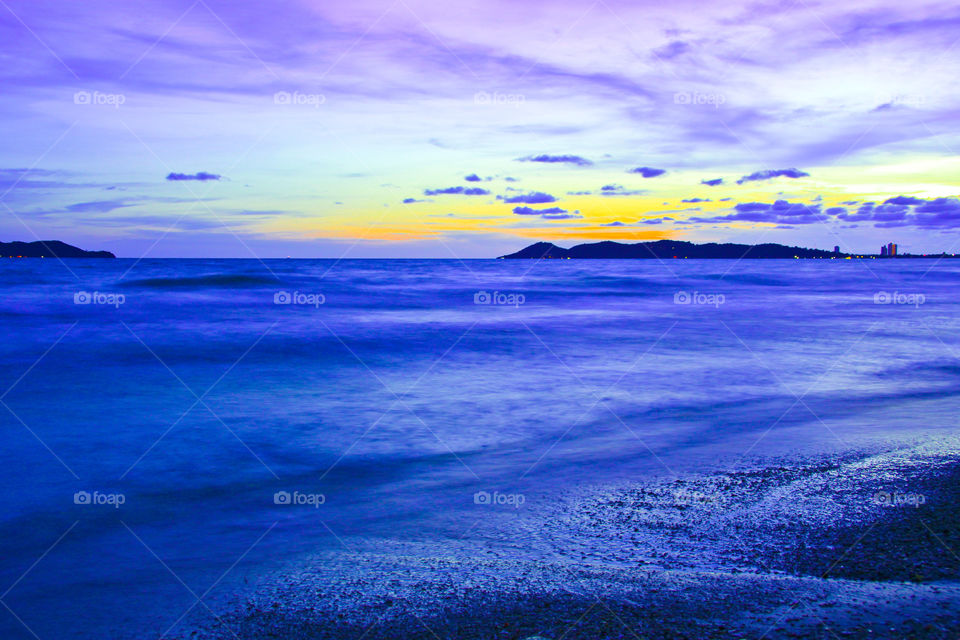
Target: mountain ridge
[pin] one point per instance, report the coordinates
(668, 249)
(47, 249)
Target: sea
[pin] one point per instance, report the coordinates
(176, 430)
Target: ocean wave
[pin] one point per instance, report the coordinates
(198, 282)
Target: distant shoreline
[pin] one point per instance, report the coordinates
(681, 250)
(48, 249)
(605, 250)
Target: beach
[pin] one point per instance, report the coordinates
(854, 547)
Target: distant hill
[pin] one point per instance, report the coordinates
(48, 249)
(669, 249)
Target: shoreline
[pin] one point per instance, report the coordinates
(777, 551)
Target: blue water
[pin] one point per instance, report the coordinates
(186, 392)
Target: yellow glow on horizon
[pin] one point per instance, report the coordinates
(594, 233)
(368, 218)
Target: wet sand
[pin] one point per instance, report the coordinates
(849, 546)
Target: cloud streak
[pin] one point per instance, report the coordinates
(466, 191)
(619, 190)
(561, 159)
(536, 197)
(550, 213)
(770, 174)
(648, 172)
(202, 176)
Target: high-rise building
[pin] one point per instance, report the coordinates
(883, 251)
(892, 249)
(836, 249)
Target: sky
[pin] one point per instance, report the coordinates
(465, 129)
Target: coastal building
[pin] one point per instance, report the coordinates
(883, 251)
(891, 249)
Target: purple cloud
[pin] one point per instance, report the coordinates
(903, 211)
(780, 212)
(940, 212)
(712, 183)
(550, 213)
(98, 206)
(648, 172)
(904, 200)
(618, 190)
(472, 178)
(563, 159)
(476, 191)
(769, 174)
(203, 176)
(863, 212)
(870, 211)
(536, 197)
(672, 50)
(891, 212)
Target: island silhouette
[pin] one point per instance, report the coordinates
(48, 249)
(670, 249)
